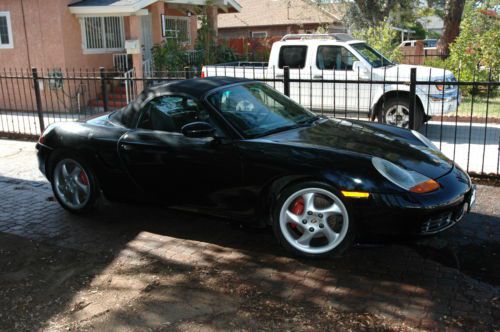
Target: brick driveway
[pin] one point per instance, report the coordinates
(132, 268)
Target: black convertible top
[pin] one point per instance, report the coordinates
(196, 87)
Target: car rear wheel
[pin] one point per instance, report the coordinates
(74, 184)
(311, 220)
(396, 112)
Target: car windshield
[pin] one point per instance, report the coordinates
(373, 57)
(430, 42)
(256, 109)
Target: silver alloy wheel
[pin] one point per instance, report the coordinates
(398, 115)
(71, 184)
(312, 231)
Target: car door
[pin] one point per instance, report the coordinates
(177, 170)
(334, 62)
(295, 58)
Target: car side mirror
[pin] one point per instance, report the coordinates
(361, 68)
(198, 130)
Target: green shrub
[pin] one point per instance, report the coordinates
(169, 56)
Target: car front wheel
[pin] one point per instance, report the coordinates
(311, 220)
(74, 184)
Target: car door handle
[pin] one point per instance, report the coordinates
(318, 76)
(280, 75)
(127, 147)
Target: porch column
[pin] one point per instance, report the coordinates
(157, 10)
(212, 13)
(135, 33)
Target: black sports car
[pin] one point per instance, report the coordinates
(239, 149)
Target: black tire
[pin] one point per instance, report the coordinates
(405, 103)
(289, 192)
(93, 183)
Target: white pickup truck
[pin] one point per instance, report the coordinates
(337, 58)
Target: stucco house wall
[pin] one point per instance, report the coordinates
(50, 36)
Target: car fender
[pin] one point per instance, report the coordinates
(392, 91)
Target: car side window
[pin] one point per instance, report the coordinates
(292, 56)
(171, 113)
(334, 57)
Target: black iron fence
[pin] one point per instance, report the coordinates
(462, 118)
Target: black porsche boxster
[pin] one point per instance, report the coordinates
(239, 149)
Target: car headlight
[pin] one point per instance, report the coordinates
(406, 179)
(427, 142)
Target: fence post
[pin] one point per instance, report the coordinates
(104, 91)
(187, 74)
(38, 97)
(413, 99)
(286, 81)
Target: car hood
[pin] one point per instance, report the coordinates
(397, 145)
(402, 73)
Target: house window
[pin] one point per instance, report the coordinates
(177, 27)
(259, 34)
(5, 31)
(103, 34)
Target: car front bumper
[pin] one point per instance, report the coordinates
(43, 153)
(419, 213)
(442, 104)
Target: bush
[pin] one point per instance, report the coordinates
(169, 56)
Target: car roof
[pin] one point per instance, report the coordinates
(196, 87)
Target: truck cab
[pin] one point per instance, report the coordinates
(339, 75)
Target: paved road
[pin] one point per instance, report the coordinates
(142, 267)
(475, 147)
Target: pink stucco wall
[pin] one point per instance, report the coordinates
(49, 36)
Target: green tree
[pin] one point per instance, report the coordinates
(478, 44)
(362, 14)
(382, 38)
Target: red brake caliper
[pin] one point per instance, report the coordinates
(83, 178)
(297, 208)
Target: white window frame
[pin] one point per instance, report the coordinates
(9, 29)
(105, 49)
(259, 32)
(183, 18)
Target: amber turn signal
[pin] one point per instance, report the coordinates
(425, 187)
(355, 194)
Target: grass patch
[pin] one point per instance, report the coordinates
(480, 106)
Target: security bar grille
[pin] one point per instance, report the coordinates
(103, 33)
(176, 27)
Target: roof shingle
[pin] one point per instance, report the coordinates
(280, 12)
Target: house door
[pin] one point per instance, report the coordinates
(146, 42)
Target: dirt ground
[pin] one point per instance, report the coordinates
(132, 268)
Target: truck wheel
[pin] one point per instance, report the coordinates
(396, 112)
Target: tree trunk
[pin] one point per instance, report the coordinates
(452, 19)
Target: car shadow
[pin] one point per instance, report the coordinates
(212, 263)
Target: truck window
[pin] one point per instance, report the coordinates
(292, 56)
(334, 57)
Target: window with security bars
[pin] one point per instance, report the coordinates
(177, 27)
(5, 30)
(103, 33)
